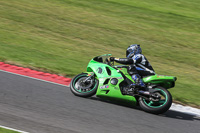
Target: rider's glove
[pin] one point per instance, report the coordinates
(112, 58)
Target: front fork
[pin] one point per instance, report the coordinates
(89, 78)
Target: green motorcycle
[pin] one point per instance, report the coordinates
(110, 81)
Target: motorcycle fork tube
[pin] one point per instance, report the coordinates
(89, 78)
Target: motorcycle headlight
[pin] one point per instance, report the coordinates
(114, 81)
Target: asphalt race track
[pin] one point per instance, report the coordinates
(40, 107)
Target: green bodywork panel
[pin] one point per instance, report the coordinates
(104, 73)
(107, 90)
(164, 81)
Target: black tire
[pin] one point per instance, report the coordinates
(160, 107)
(87, 91)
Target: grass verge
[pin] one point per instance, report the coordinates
(3, 130)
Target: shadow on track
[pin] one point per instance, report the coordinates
(180, 115)
(169, 114)
(120, 103)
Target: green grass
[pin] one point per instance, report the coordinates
(63, 35)
(3, 130)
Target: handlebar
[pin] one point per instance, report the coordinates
(108, 62)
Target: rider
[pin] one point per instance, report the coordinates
(138, 65)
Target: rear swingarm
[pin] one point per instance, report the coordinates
(148, 95)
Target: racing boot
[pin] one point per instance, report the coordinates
(138, 82)
(139, 85)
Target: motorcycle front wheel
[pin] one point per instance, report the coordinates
(160, 106)
(83, 89)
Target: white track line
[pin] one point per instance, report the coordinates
(186, 109)
(34, 78)
(13, 129)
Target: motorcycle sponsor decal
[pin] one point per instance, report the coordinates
(104, 86)
(100, 70)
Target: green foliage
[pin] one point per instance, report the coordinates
(63, 35)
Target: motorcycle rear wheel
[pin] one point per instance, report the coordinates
(81, 89)
(157, 107)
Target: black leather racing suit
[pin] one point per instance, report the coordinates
(139, 67)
